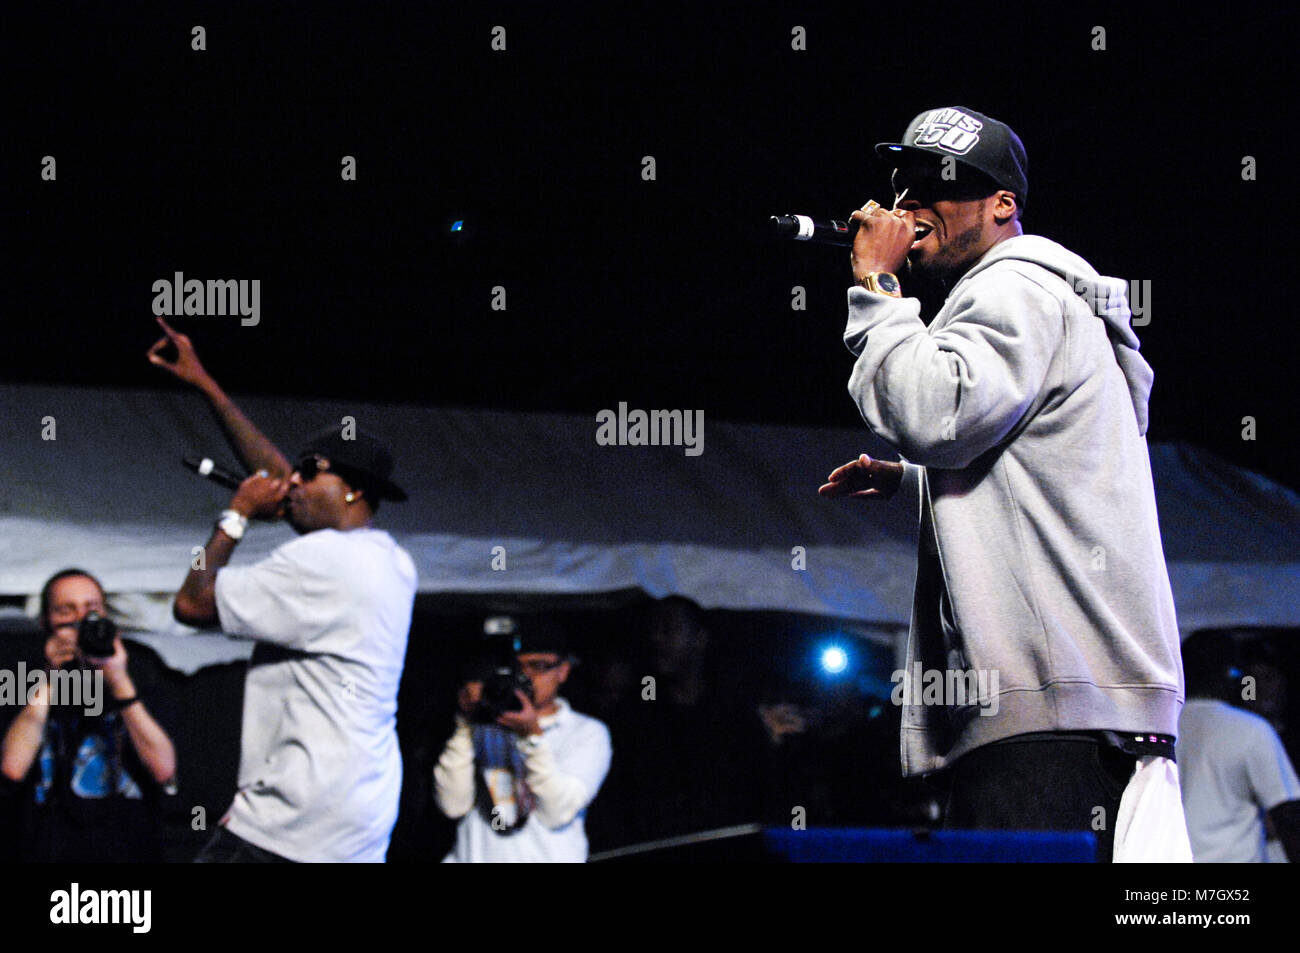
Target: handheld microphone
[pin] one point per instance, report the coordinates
(803, 228)
(204, 467)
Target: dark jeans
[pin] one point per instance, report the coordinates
(227, 848)
(1043, 783)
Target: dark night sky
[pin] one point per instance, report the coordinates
(225, 164)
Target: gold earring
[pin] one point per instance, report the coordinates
(350, 497)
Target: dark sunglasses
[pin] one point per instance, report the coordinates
(928, 185)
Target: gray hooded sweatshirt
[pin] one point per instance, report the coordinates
(1042, 600)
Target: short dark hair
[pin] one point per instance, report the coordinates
(55, 580)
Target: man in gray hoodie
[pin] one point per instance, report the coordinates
(1043, 676)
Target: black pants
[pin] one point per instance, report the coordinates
(228, 848)
(1065, 782)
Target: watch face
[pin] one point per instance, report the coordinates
(887, 283)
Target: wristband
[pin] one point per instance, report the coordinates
(232, 523)
(119, 704)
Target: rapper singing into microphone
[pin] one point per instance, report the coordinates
(1042, 600)
(320, 771)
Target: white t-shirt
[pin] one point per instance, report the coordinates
(565, 766)
(1234, 769)
(320, 772)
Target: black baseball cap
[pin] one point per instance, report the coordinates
(970, 137)
(360, 454)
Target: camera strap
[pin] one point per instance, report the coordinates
(497, 758)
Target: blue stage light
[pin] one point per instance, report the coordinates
(457, 226)
(834, 660)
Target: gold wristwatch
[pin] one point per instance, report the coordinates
(882, 282)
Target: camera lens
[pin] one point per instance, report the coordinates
(95, 636)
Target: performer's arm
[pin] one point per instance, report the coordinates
(196, 602)
(251, 445)
(944, 396)
(258, 497)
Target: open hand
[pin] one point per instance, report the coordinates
(863, 478)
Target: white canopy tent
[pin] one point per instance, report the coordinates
(93, 478)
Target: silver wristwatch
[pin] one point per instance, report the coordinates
(232, 523)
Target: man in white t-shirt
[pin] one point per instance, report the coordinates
(1237, 780)
(520, 784)
(320, 772)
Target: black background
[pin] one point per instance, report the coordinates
(226, 164)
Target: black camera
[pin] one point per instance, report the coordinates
(501, 679)
(497, 667)
(96, 635)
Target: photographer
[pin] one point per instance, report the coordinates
(91, 775)
(520, 780)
